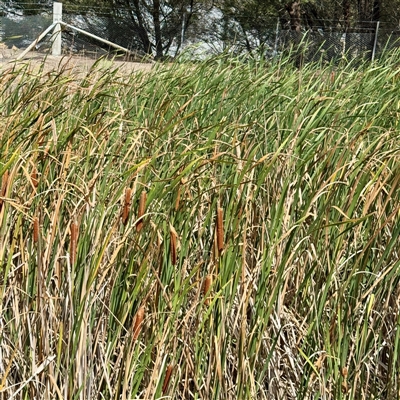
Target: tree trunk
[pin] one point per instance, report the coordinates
(346, 13)
(376, 11)
(157, 29)
(139, 25)
(293, 9)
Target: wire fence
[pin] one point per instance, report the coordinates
(367, 42)
(328, 41)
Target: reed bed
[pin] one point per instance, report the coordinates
(221, 230)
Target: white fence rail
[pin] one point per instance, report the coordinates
(56, 38)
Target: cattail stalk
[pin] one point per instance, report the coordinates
(139, 317)
(74, 241)
(220, 229)
(127, 206)
(206, 288)
(35, 229)
(173, 237)
(141, 210)
(4, 182)
(167, 378)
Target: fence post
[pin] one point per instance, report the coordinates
(57, 17)
(375, 41)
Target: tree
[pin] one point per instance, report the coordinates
(153, 27)
(242, 25)
(158, 27)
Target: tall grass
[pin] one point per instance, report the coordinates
(221, 230)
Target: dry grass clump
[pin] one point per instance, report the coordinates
(260, 259)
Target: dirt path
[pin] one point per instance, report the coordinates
(76, 64)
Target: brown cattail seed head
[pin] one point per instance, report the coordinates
(3, 189)
(34, 177)
(206, 288)
(139, 317)
(141, 210)
(74, 241)
(220, 229)
(4, 181)
(127, 206)
(167, 378)
(35, 229)
(173, 245)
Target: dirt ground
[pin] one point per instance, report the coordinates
(77, 64)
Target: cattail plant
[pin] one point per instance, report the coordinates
(126, 206)
(74, 240)
(138, 321)
(206, 289)
(179, 193)
(4, 182)
(220, 229)
(311, 188)
(34, 177)
(173, 244)
(141, 210)
(332, 77)
(167, 378)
